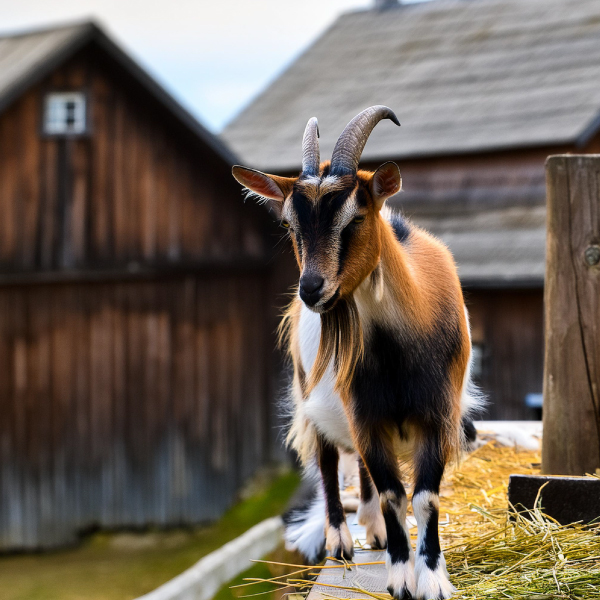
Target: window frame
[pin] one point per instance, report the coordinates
(85, 132)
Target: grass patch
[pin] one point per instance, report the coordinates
(258, 571)
(122, 566)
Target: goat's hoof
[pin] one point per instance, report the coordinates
(401, 582)
(402, 594)
(339, 542)
(376, 542)
(433, 585)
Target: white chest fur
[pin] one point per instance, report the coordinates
(323, 406)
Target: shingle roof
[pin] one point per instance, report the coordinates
(27, 58)
(462, 76)
(497, 236)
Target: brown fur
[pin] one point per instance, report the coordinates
(389, 288)
(421, 276)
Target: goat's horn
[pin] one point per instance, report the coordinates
(351, 143)
(310, 148)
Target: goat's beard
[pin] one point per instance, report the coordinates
(329, 304)
(342, 341)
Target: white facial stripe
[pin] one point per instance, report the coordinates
(287, 214)
(349, 211)
(331, 181)
(313, 180)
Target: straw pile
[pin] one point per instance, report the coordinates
(490, 555)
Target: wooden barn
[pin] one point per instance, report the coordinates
(485, 91)
(135, 328)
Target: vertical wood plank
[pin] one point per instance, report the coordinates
(571, 443)
(29, 188)
(102, 174)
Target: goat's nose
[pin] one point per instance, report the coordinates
(311, 286)
(311, 283)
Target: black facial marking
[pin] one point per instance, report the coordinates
(362, 199)
(345, 242)
(331, 203)
(303, 209)
(299, 245)
(316, 219)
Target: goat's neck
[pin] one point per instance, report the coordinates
(390, 293)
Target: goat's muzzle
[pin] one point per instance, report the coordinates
(311, 288)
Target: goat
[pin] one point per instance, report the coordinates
(380, 343)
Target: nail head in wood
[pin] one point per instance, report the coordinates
(592, 255)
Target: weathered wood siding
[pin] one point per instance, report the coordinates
(134, 191)
(128, 404)
(136, 348)
(508, 325)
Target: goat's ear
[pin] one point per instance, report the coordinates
(386, 182)
(272, 188)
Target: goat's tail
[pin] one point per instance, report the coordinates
(305, 521)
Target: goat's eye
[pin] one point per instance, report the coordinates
(285, 224)
(359, 219)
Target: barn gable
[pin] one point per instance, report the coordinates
(143, 186)
(25, 59)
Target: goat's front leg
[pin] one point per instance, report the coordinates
(430, 567)
(338, 540)
(377, 451)
(369, 510)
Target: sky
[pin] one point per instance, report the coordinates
(213, 56)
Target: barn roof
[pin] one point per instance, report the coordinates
(26, 58)
(497, 234)
(463, 76)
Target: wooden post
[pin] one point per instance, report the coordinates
(571, 441)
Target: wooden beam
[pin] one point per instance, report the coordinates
(566, 499)
(571, 440)
(135, 271)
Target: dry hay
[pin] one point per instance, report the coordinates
(489, 554)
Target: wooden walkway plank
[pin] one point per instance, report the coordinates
(371, 578)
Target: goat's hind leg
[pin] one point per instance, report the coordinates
(369, 510)
(430, 565)
(338, 540)
(377, 451)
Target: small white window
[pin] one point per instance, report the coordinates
(64, 113)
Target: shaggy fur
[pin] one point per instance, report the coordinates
(379, 339)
